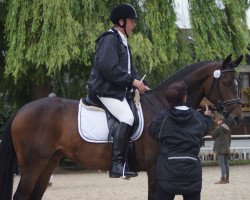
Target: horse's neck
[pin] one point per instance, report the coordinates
(194, 80)
(156, 101)
(159, 94)
(194, 99)
(196, 88)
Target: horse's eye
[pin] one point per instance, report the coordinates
(226, 84)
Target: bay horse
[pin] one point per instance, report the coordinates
(45, 130)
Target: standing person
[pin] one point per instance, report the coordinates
(112, 75)
(222, 139)
(180, 130)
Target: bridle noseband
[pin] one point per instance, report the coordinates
(222, 105)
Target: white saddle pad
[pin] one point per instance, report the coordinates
(93, 126)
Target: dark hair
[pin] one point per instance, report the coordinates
(175, 94)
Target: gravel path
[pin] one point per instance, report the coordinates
(93, 185)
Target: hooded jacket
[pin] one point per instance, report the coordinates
(109, 76)
(222, 139)
(180, 134)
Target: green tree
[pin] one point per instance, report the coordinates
(210, 39)
(219, 30)
(237, 25)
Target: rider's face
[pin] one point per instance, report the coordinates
(130, 25)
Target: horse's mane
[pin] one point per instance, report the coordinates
(180, 74)
(183, 72)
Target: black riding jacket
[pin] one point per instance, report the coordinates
(180, 134)
(109, 76)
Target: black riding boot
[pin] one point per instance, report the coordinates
(120, 141)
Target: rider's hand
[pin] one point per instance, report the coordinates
(147, 88)
(140, 86)
(207, 111)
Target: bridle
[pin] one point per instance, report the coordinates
(222, 105)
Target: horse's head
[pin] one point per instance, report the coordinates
(223, 91)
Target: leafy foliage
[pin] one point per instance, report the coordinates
(37, 36)
(237, 25)
(218, 30)
(6, 110)
(208, 22)
(49, 36)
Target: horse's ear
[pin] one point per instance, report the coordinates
(238, 60)
(227, 60)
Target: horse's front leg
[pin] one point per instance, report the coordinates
(151, 172)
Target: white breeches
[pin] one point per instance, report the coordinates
(119, 109)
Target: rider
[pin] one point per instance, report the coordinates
(112, 75)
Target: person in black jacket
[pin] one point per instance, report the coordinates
(180, 130)
(112, 75)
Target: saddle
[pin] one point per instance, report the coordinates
(93, 103)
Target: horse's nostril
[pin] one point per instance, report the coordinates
(237, 121)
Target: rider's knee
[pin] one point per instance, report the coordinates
(129, 119)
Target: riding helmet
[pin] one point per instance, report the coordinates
(122, 11)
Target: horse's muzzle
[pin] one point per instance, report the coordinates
(235, 120)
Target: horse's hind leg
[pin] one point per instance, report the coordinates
(29, 176)
(44, 177)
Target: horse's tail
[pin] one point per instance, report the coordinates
(7, 161)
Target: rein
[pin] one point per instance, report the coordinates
(223, 105)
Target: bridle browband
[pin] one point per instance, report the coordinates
(221, 106)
